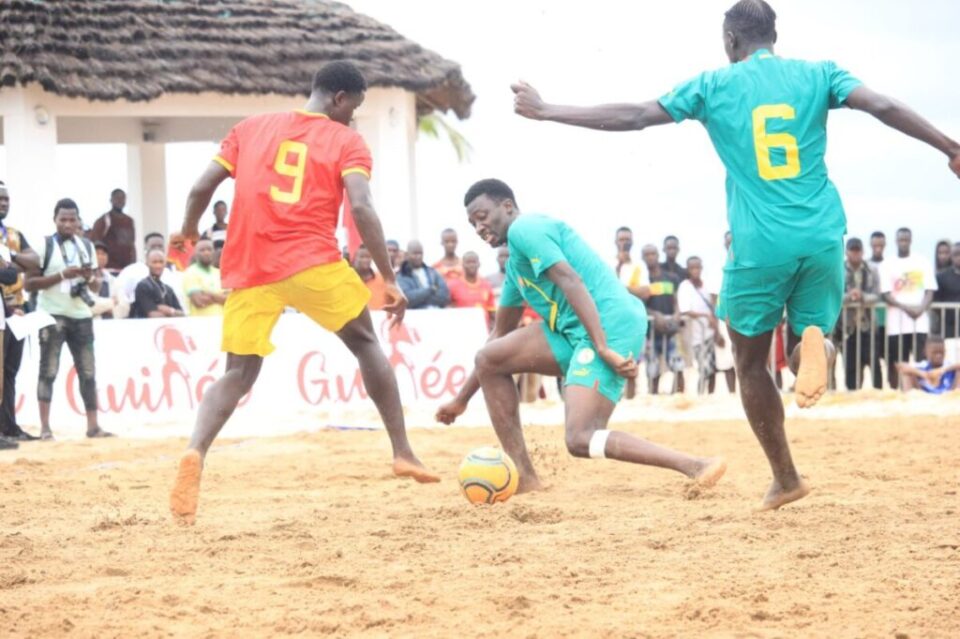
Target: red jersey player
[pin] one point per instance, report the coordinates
(291, 170)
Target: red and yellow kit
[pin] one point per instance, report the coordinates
(289, 170)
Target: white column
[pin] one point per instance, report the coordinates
(147, 199)
(388, 124)
(135, 194)
(30, 140)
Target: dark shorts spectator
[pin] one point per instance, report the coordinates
(78, 336)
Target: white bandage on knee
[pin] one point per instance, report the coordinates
(598, 444)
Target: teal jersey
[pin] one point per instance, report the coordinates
(767, 119)
(538, 242)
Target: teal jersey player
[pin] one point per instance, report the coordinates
(766, 117)
(536, 243)
(591, 330)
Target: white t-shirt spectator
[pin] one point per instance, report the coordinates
(907, 279)
(690, 299)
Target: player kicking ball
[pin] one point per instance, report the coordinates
(291, 170)
(767, 117)
(592, 328)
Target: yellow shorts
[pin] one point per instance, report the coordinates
(330, 294)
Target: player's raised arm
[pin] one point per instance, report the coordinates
(605, 117)
(199, 198)
(507, 320)
(371, 231)
(899, 116)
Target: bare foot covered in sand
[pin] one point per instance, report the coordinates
(710, 473)
(812, 376)
(777, 496)
(413, 468)
(528, 484)
(186, 489)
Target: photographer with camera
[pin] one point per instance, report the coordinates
(66, 283)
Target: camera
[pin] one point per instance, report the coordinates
(82, 290)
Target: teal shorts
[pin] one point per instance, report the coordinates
(811, 288)
(583, 367)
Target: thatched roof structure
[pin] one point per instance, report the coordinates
(140, 49)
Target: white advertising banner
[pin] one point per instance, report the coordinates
(152, 374)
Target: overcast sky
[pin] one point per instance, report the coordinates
(664, 180)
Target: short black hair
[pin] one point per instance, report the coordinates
(448, 230)
(854, 244)
(934, 339)
(218, 203)
(623, 228)
(115, 191)
(694, 257)
(877, 234)
(392, 242)
(753, 21)
(146, 238)
(671, 237)
(101, 246)
(65, 203)
(904, 229)
(491, 187)
(339, 75)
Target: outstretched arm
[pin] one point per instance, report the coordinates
(906, 369)
(199, 199)
(606, 117)
(506, 321)
(371, 232)
(899, 116)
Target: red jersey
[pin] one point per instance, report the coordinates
(289, 169)
(464, 294)
(449, 272)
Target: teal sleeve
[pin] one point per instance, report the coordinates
(536, 240)
(841, 84)
(688, 100)
(510, 295)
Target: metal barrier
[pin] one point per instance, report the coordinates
(863, 339)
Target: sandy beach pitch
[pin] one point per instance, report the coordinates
(310, 535)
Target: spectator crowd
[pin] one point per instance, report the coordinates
(81, 274)
(897, 320)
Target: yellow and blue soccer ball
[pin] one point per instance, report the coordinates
(488, 475)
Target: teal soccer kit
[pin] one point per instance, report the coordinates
(538, 242)
(767, 119)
